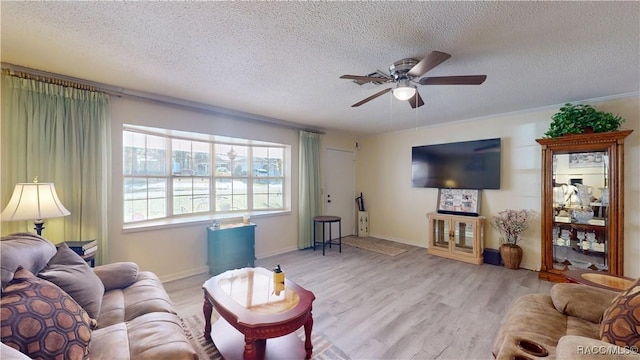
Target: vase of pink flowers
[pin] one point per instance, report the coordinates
(511, 224)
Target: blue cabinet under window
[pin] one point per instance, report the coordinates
(231, 247)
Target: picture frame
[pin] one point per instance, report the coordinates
(587, 160)
(459, 202)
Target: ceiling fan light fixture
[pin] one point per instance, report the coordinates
(406, 73)
(404, 90)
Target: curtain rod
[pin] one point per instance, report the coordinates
(168, 100)
(48, 79)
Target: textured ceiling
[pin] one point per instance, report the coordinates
(283, 60)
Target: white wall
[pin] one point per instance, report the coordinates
(398, 212)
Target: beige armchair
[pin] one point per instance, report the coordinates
(568, 324)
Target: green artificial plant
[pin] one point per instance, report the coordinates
(581, 118)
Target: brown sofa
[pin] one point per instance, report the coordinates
(570, 323)
(132, 316)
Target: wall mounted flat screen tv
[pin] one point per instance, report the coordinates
(461, 165)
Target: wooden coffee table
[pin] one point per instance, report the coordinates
(253, 309)
(598, 279)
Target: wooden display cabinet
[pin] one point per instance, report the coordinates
(596, 161)
(456, 237)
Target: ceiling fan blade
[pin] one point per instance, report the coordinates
(380, 93)
(365, 78)
(430, 61)
(453, 80)
(416, 100)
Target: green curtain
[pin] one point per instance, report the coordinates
(310, 198)
(61, 135)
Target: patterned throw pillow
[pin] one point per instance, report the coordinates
(41, 320)
(621, 321)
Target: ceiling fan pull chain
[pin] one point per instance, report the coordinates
(417, 107)
(390, 112)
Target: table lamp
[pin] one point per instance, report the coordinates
(34, 200)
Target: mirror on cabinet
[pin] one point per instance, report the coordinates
(580, 199)
(582, 203)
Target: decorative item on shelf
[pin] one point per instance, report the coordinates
(511, 224)
(563, 216)
(599, 247)
(581, 118)
(583, 215)
(584, 194)
(559, 199)
(564, 239)
(593, 267)
(34, 200)
(579, 264)
(599, 222)
(604, 196)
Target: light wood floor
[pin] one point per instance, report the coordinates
(410, 306)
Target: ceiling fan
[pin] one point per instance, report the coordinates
(405, 73)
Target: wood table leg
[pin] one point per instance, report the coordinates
(307, 335)
(249, 349)
(207, 309)
(260, 346)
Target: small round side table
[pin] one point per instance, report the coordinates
(325, 219)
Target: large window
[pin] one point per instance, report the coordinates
(145, 176)
(190, 169)
(267, 187)
(169, 176)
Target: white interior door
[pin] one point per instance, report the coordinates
(339, 196)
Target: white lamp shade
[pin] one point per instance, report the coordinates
(33, 201)
(404, 90)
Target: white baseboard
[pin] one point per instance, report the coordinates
(398, 240)
(185, 274)
(276, 252)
